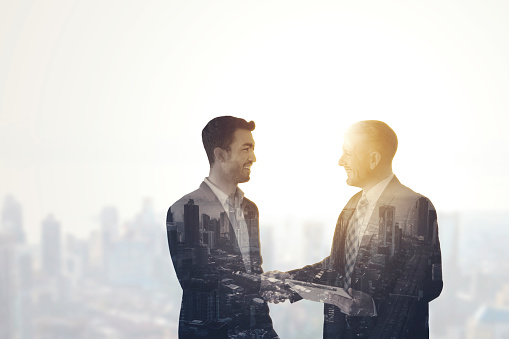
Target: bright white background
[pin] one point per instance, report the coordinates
(103, 102)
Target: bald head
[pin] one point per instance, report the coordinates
(368, 149)
(377, 136)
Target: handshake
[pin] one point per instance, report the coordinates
(274, 288)
(278, 286)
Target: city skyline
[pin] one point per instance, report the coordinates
(481, 298)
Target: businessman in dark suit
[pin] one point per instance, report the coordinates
(213, 236)
(385, 251)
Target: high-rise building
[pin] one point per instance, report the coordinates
(191, 223)
(51, 246)
(108, 232)
(208, 238)
(109, 225)
(386, 231)
(423, 212)
(172, 233)
(214, 226)
(204, 303)
(398, 235)
(431, 234)
(12, 220)
(205, 220)
(224, 224)
(15, 283)
(8, 290)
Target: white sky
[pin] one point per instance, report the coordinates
(103, 102)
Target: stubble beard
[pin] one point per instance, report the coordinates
(239, 175)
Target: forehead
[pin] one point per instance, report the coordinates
(241, 137)
(355, 141)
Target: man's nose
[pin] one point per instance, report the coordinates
(341, 161)
(252, 157)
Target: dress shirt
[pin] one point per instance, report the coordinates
(232, 206)
(372, 196)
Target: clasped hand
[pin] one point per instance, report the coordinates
(273, 287)
(357, 304)
(361, 303)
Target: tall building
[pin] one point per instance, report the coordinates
(147, 227)
(172, 233)
(131, 263)
(398, 235)
(8, 290)
(12, 220)
(432, 235)
(109, 225)
(191, 223)
(224, 224)
(205, 221)
(204, 303)
(15, 284)
(387, 229)
(76, 258)
(51, 246)
(423, 212)
(108, 229)
(214, 226)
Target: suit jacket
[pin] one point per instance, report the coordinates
(219, 298)
(398, 264)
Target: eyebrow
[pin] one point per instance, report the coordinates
(248, 144)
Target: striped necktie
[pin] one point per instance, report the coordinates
(352, 240)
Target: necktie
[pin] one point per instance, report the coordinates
(352, 240)
(241, 232)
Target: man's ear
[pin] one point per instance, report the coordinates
(374, 159)
(220, 154)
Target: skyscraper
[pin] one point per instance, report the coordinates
(191, 223)
(423, 211)
(51, 246)
(386, 231)
(172, 232)
(205, 220)
(109, 225)
(12, 220)
(8, 290)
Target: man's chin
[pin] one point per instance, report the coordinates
(244, 179)
(351, 182)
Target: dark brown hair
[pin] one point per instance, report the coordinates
(219, 133)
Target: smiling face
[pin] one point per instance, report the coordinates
(240, 157)
(356, 160)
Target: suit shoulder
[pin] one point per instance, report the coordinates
(250, 203)
(403, 192)
(178, 206)
(194, 195)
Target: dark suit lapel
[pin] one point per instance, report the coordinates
(211, 197)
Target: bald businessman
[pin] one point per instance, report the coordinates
(385, 252)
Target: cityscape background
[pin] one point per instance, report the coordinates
(119, 281)
(101, 110)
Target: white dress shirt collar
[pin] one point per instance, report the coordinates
(223, 197)
(376, 191)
